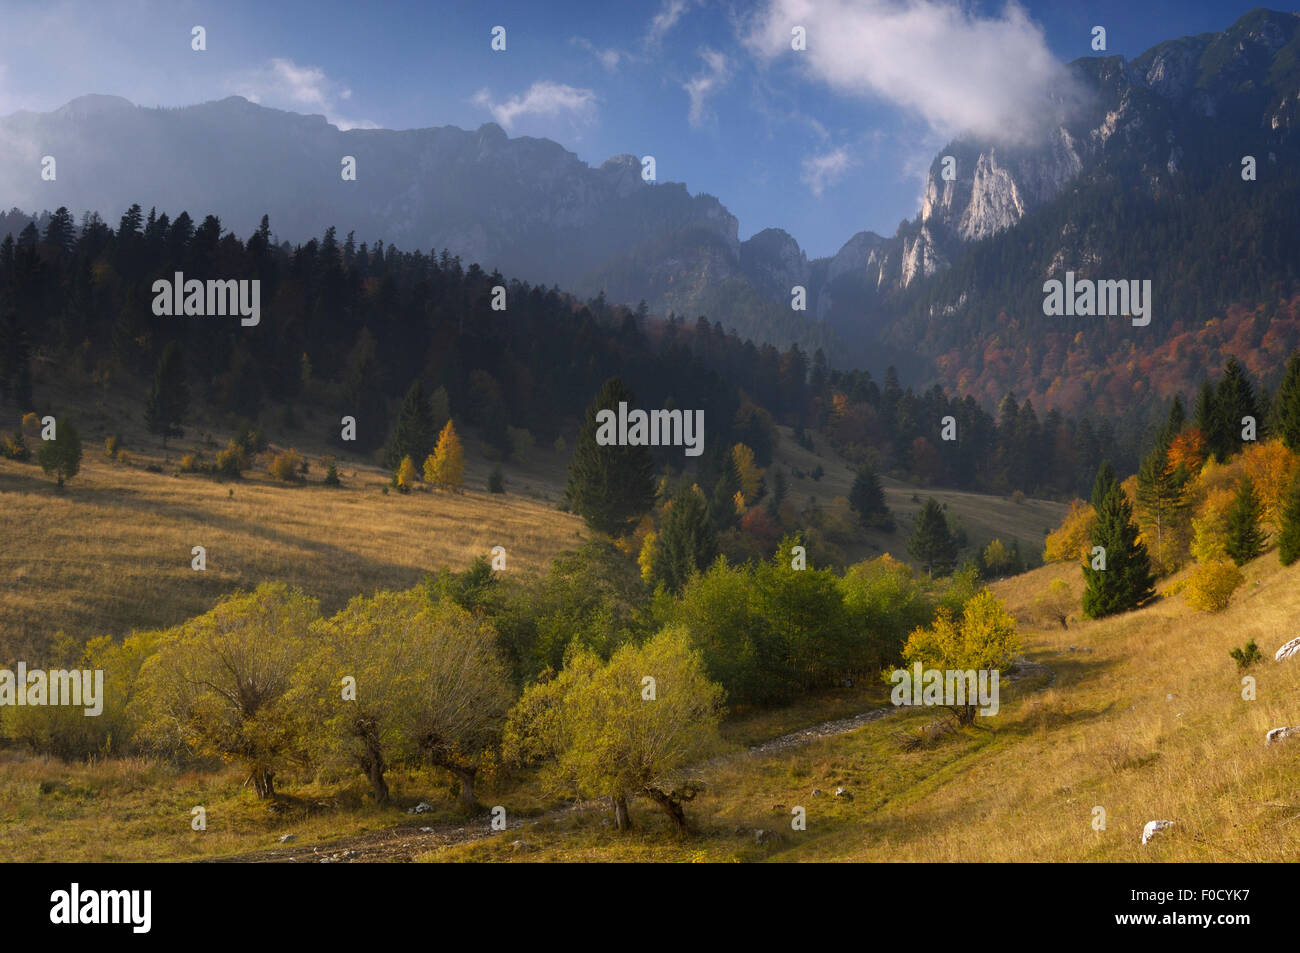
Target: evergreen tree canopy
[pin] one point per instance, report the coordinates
(932, 544)
(867, 497)
(169, 398)
(416, 430)
(609, 486)
(1245, 538)
(686, 542)
(1126, 581)
(1288, 540)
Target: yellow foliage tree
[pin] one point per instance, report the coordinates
(751, 476)
(1212, 584)
(986, 637)
(647, 557)
(1072, 540)
(446, 467)
(1210, 527)
(1272, 467)
(406, 475)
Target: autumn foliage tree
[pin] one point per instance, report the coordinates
(620, 728)
(984, 637)
(445, 467)
(219, 684)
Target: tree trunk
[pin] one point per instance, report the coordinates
(466, 777)
(263, 782)
(671, 806)
(622, 820)
(373, 765)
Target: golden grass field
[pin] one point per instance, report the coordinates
(112, 552)
(1143, 715)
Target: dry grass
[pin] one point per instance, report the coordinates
(983, 517)
(112, 552)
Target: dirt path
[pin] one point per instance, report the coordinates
(402, 844)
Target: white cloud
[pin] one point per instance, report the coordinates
(669, 13)
(543, 98)
(822, 171)
(700, 86)
(961, 72)
(608, 57)
(286, 85)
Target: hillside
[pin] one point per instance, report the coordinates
(1140, 714)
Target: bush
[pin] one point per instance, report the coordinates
(287, 466)
(521, 444)
(232, 461)
(14, 447)
(1018, 497)
(1212, 584)
(332, 475)
(112, 445)
(249, 436)
(495, 482)
(1246, 656)
(192, 463)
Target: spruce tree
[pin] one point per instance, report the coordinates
(1245, 538)
(1208, 420)
(1103, 484)
(62, 455)
(609, 486)
(1126, 581)
(686, 542)
(1287, 404)
(169, 398)
(1234, 399)
(1160, 495)
(932, 544)
(722, 507)
(1288, 539)
(416, 430)
(867, 498)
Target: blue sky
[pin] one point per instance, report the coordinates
(822, 142)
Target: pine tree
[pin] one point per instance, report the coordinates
(723, 508)
(169, 398)
(867, 498)
(1234, 400)
(445, 467)
(932, 544)
(1103, 484)
(415, 432)
(1176, 421)
(1245, 538)
(62, 455)
(1160, 495)
(686, 542)
(1207, 417)
(609, 486)
(1287, 404)
(1288, 539)
(1126, 581)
